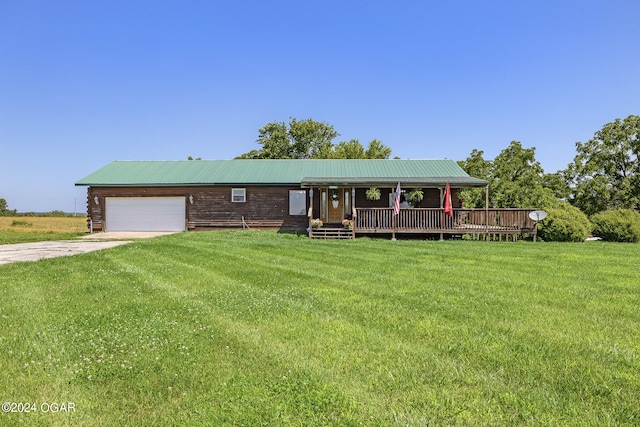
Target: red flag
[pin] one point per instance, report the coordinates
(396, 206)
(448, 209)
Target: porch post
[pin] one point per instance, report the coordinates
(393, 220)
(486, 207)
(310, 212)
(353, 212)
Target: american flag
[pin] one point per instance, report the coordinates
(396, 206)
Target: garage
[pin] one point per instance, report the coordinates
(145, 213)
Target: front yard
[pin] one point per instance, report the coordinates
(261, 328)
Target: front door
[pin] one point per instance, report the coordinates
(335, 206)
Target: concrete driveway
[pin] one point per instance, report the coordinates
(40, 250)
(52, 249)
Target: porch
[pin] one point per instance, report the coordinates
(486, 224)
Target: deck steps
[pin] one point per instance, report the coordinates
(331, 233)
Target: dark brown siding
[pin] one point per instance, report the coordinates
(431, 198)
(265, 207)
(362, 202)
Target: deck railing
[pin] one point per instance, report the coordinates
(382, 220)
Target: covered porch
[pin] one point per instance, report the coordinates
(340, 210)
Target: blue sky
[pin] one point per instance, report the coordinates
(85, 83)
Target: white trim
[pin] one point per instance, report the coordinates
(238, 195)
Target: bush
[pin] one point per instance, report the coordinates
(621, 225)
(564, 223)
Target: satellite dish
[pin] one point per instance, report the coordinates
(537, 215)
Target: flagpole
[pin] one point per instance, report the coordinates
(393, 229)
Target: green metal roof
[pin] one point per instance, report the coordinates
(280, 172)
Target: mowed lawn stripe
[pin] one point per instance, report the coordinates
(263, 328)
(346, 261)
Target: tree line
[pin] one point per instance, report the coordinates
(597, 192)
(5, 211)
(604, 175)
(309, 139)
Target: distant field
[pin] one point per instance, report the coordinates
(32, 228)
(262, 328)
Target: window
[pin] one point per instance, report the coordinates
(347, 205)
(297, 202)
(323, 205)
(238, 195)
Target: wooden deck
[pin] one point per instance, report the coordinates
(478, 223)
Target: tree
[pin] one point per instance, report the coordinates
(308, 139)
(557, 183)
(377, 150)
(516, 179)
(353, 149)
(305, 139)
(476, 166)
(4, 209)
(605, 173)
(349, 150)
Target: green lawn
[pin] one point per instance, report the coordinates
(258, 328)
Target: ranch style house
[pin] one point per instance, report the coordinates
(328, 198)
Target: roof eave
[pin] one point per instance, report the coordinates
(187, 184)
(468, 182)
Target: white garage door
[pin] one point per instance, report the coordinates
(145, 213)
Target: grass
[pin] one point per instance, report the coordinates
(259, 328)
(34, 229)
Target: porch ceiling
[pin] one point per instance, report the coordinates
(456, 181)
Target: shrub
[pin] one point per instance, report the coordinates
(55, 214)
(564, 223)
(19, 223)
(621, 225)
